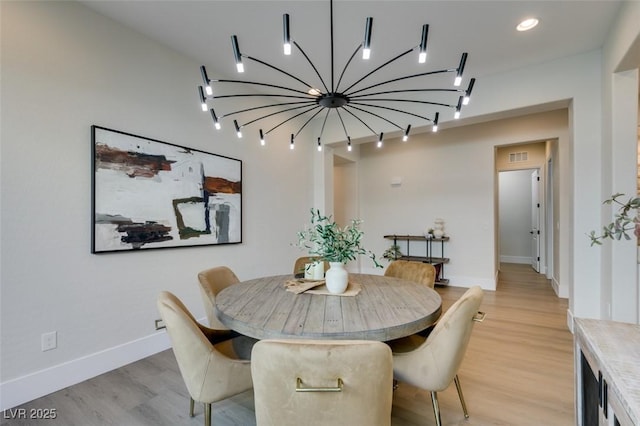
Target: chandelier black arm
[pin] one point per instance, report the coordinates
(291, 118)
(266, 64)
(266, 95)
(240, 111)
(360, 120)
(393, 109)
(259, 84)
(343, 126)
(307, 122)
(401, 78)
(407, 100)
(375, 115)
(325, 122)
(380, 67)
(312, 65)
(274, 113)
(406, 91)
(347, 65)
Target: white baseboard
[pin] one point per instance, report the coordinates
(23, 389)
(526, 260)
(468, 282)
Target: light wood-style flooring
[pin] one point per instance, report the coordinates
(518, 371)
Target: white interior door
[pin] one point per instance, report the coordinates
(535, 220)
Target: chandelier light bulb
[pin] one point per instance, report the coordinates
(203, 100)
(434, 128)
(405, 137)
(457, 81)
(467, 95)
(366, 44)
(286, 34)
(422, 57)
(216, 123)
(205, 80)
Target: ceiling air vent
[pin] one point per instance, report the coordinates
(517, 157)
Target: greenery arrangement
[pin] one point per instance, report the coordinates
(392, 253)
(326, 240)
(626, 220)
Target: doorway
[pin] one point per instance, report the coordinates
(519, 217)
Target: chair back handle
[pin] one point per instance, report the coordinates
(479, 317)
(301, 388)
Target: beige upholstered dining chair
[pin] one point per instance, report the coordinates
(299, 265)
(213, 281)
(211, 372)
(432, 363)
(321, 382)
(424, 273)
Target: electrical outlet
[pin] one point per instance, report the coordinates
(160, 324)
(49, 341)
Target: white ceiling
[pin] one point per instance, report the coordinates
(484, 29)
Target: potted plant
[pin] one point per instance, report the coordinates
(392, 253)
(326, 240)
(626, 220)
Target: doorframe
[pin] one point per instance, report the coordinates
(549, 218)
(542, 213)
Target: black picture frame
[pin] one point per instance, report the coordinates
(149, 194)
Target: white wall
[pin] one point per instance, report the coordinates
(64, 68)
(619, 294)
(514, 207)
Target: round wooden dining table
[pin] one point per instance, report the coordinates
(384, 309)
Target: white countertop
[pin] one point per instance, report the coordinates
(616, 347)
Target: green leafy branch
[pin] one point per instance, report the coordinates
(626, 220)
(325, 239)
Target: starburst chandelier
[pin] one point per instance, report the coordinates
(362, 99)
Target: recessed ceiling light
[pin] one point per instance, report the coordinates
(527, 24)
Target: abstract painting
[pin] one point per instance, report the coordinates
(150, 194)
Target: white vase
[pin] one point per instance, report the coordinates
(337, 278)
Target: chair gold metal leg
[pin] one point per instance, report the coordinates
(459, 388)
(207, 414)
(191, 404)
(436, 408)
